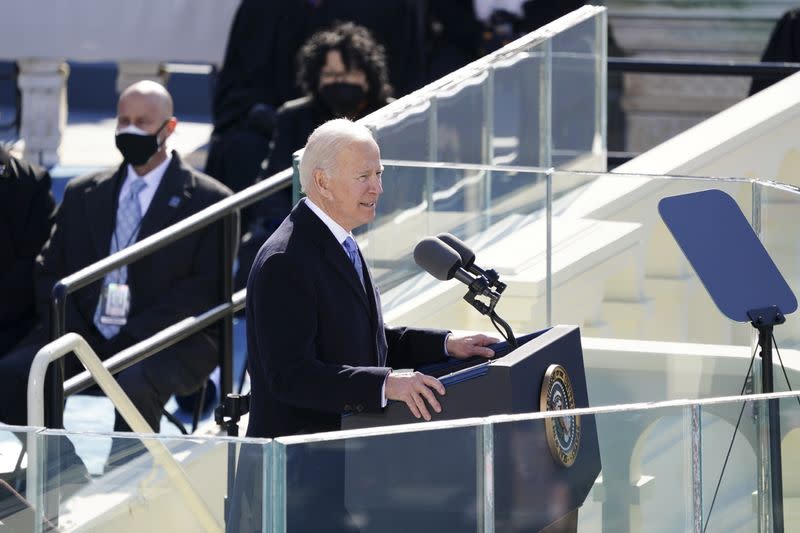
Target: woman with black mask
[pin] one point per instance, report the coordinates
(343, 73)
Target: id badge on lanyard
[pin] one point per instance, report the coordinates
(115, 302)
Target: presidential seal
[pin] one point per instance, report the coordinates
(563, 433)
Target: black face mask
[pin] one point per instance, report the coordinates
(138, 148)
(343, 99)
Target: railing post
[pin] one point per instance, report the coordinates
(228, 237)
(485, 463)
(54, 406)
(274, 487)
(693, 438)
(43, 87)
(54, 409)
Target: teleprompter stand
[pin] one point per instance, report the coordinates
(744, 283)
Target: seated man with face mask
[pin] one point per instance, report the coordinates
(343, 73)
(103, 213)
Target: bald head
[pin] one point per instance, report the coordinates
(151, 92)
(146, 107)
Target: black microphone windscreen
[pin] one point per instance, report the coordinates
(464, 251)
(436, 258)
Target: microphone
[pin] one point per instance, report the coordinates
(443, 263)
(468, 260)
(437, 259)
(466, 254)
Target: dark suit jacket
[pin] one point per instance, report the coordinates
(179, 280)
(316, 340)
(27, 209)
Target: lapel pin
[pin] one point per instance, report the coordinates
(175, 201)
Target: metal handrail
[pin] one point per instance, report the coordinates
(163, 339)
(74, 343)
(698, 68)
(707, 68)
(222, 210)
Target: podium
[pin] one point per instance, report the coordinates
(543, 469)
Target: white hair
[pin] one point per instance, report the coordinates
(324, 144)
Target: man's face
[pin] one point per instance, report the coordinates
(351, 194)
(140, 110)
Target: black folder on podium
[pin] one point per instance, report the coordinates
(534, 489)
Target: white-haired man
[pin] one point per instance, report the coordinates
(317, 343)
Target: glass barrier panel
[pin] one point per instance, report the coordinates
(151, 483)
(16, 511)
(790, 471)
(518, 113)
(736, 504)
(637, 283)
(494, 109)
(460, 111)
(498, 213)
(408, 135)
(577, 142)
(414, 481)
(778, 209)
(645, 469)
(640, 468)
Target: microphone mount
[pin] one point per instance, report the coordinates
(481, 286)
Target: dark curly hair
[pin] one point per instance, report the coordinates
(358, 49)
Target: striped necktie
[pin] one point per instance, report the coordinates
(352, 252)
(129, 219)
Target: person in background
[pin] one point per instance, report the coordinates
(27, 211)
(783, 47)
(257, 76)
(258, 73)
(461, 31)
(108, 211)
(343, 73)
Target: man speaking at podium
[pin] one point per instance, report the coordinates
(318, 347)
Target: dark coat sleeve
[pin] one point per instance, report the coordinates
(32, 214)
(259, 59)
(459, 27)
(285, 306)
(291, 124)
(413, 348)
(52, 265)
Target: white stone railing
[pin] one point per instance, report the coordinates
(139, 36)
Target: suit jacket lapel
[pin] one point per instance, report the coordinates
(336, 256)
(332, 252)
(101, 201)
(375, 315)
(172, 192)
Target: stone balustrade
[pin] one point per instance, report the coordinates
(139, 36)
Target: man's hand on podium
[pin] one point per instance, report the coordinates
(414, 389)
(471, 345)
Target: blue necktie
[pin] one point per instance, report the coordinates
(352, 251)
(129, 218)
